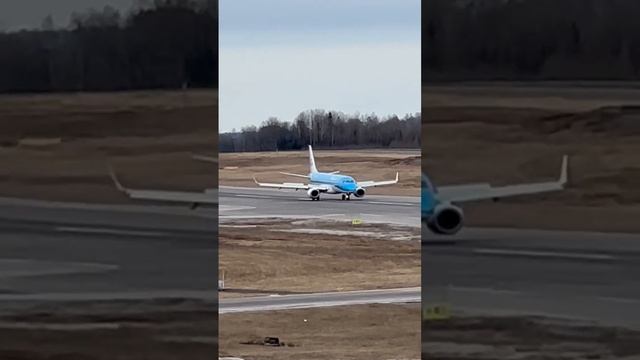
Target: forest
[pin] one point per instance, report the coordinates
(163, 44)
(324, 129)
(530, 40)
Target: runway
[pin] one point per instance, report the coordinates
(237, 203)
(315, 300)
(67, 252)
(576, 275)
(64, 252)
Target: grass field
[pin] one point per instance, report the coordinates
(525, 338)
(147, 136)
(351, 332)
(268, 259)
(159, 330)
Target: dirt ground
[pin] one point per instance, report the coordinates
(160, 330)
(187, 330)
(58, 147)
(508, 134)
(270, 259)
(525, 338)
(350, 332)
(376, 164)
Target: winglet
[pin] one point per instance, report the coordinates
(256, 181)
(115, 180)
(564, 174)
(397, 174)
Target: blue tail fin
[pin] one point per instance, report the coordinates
(428, 197)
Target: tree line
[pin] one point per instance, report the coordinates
(157, 45)
(531, 40)
(326, 129)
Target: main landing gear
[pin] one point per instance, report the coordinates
(346, 196)
(317, 198)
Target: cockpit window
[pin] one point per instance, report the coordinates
(348, 181)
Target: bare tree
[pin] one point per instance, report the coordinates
(331, 129)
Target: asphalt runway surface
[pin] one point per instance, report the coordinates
(67, 252)
(593, 277)
(72, 252)
(237, 203)
(314, 300)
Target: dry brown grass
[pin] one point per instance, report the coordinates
(148, 136)
(264, 260)
(237, 169)
(508, 135)
(528, 338)
(160, 330)
(353, 332)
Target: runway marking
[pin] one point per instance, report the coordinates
(238, 226)
(225, 208)
(205, 295)
(59, 326)
(545, 254)
(320, 304)
(486, 290)
(392, 203)
(14, 268)
(254, 196)
(333, 232)
(278, 216)
(106, 231)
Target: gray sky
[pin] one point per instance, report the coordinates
(18, 14)
(281, 57)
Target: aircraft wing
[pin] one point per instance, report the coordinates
(296, 175)
(209, 197)
(474, 192)
(366, 184)
(293, 186)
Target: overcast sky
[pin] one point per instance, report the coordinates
(18, 14)
(281, 57)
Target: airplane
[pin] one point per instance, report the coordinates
(328, 183)
(439, 205)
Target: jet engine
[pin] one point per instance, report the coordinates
(359, 192)
(446, 219)
(313, 193)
